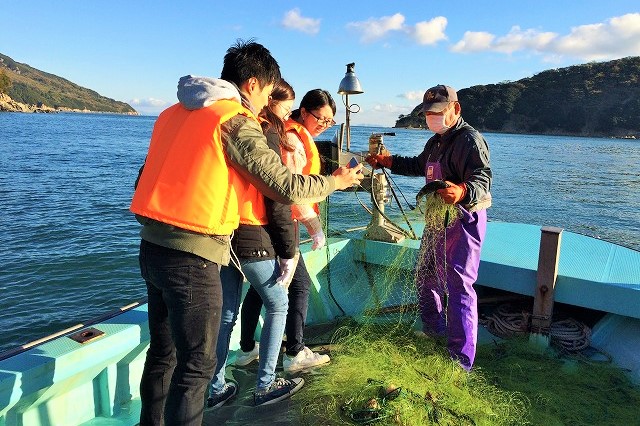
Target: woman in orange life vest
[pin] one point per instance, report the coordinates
(300, 155)
(266, 245)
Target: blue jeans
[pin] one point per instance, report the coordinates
(296, 315)
(184, 305)
(262, 275)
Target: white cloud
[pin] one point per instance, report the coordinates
(474, 41)
(293, 20)
(414, 95)
(376, 28)
(518, 39)
(424, 32)
(149, 102)
(430, 32)
(617, 37)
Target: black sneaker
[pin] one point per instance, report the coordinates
(219, 399)
(280, 389)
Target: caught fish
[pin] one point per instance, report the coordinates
(429, 188)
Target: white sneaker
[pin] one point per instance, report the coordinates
(306, 358)
(246, 358)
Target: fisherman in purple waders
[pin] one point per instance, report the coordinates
(458, 155)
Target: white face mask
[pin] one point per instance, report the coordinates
(435, 122)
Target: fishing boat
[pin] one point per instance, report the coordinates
(89, 374)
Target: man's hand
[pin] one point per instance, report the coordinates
(347, 177)
(453, 193)
(379, 160)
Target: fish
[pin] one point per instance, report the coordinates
(429, 188)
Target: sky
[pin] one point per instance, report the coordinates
(135, 51)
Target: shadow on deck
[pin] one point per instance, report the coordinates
(241, 411)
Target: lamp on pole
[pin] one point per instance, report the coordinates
(350, 85)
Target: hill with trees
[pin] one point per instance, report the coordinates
(594, 99)
(28, 85)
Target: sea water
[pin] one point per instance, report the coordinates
(68, 244)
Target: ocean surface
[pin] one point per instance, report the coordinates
(68, 244)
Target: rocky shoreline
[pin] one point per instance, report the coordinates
(516, 132)
(9, 105)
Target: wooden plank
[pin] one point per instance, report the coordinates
(546, 279)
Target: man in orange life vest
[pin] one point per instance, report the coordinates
(204, 153)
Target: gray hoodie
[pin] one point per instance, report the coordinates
(199, 92)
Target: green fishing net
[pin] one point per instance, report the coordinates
(383, 372)
(388, 375)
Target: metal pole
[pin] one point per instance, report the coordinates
(348, 132)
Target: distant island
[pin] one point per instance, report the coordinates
(595, 99)
(26, 89)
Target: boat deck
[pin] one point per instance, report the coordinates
(592, 273)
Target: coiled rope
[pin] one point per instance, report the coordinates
(570, 334)
(507, 321)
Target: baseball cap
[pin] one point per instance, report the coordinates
(438, 97)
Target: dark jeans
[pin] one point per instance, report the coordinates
(184, 305)
(296, 315)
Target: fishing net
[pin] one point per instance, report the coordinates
(387, 374)
(560, 388)
(383, 372)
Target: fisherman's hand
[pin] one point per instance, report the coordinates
(453, 193)
(346, 177)
(379, 160)
(287, 267)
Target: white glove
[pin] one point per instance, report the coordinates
(319, 240)
(287, 268)
(314, 228)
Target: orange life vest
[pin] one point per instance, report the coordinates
(311, 151)
(253, 211)
(186, 181)
(313, 156)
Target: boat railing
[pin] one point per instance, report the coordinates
(67, 331)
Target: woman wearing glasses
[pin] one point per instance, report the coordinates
(299, 153)
(314, 116)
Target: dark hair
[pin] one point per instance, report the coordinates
(314, 99)
(246, 59)
(282, 91)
